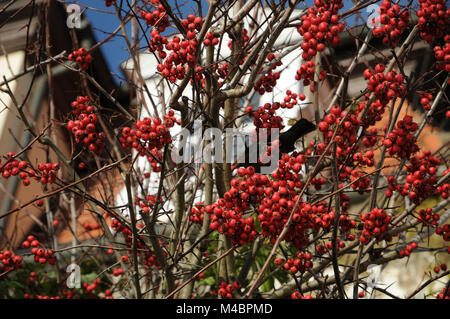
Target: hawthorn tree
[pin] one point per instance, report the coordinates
(221, 229)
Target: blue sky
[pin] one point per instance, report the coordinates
(101, 20)
(115, 51)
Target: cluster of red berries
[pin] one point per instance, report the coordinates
(298, 295)
(175, 64)
(376, 223)
(32, 277)
(146, 204)
(319, 26)
(442, 55)
(299, 264)
(108, 295)
(199, 76)
(31, 241)
(360, 183)
(157, 43)
(370, 137)
(322, 249)
(9, 261)
(81, 105)
(170, 120)
(374, 112)
(226, 215)
(444, 190)
(93, 291)
(401, 140)
(445, 294)
(346, 133)
(409, 248)
(318, 182)
(444, 231)
(41, 255)
(421, 178)
(306, 73)
(118, 227)
(109, 3)
(425, 99)
(150, 259)
(41, 297)
(427, 217)
(89, 288)
(117, 272)
(226, 290)
(210, 39)
(222, 71)
(197, 213)
(392, 186)
(365, 159)
(48, 172)
(84, 127)
(394, 21)
(269, 80)
(324, 218)
(433, 19)
(290, 100)
(88, 227)
(182, 51)
(192, 24)
(314, 147)
(157, 18)
(345, 222)
(385, 87)
(81, 57)
(148, 138)
(13, 167)
(289, 171)
(231, 222)
(128, 235)
(279, 196)
(264, 116)
(28, 296)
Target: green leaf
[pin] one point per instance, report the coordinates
(208, 281)
(267, 285)
(15, 284)
(88, 277)
(51, 274)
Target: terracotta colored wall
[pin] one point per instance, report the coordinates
(105, 188)
(19, 224)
